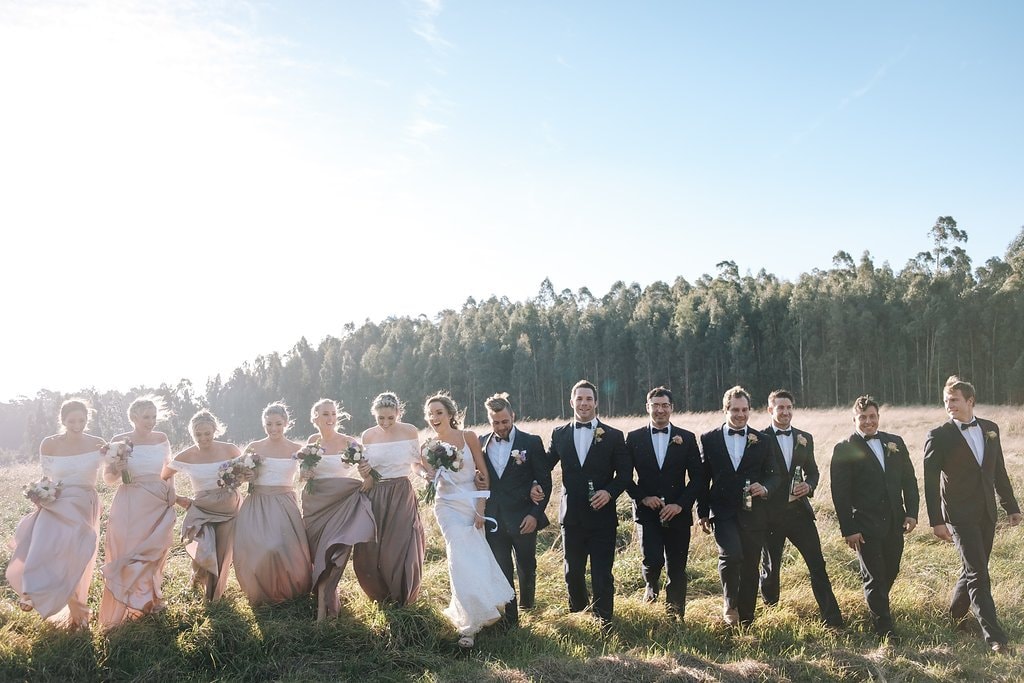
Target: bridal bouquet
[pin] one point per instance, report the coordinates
(237, 471)
(440, 455)
(309, 457)
(353, 455)
(116, 454)
(42, 491)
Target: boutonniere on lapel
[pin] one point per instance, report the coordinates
(991, 436)
(801, 441)
(518, 456)
(751, 438)
(598, 435)
(891, 448)
(677, 440)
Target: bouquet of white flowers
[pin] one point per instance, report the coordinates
(237, 471)
(43, 491)
(309, 457)
(116, 454)
(440, 455)
(354, 455)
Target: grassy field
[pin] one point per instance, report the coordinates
(230, 641)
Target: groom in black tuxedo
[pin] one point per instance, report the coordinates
(595, 470)
(964, 471)
(735, 454)
(515, 462)
(790, 515)
(875, 495)
(664, 457)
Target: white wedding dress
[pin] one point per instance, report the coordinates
(479, 588)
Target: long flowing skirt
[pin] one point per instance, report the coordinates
(140, 530)
(479, 587)
(208, 532)
(271, 552)
(54, 553)
(391, 567)
(337, 516)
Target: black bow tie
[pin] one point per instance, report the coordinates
(779, 432)
(655, 430)
(584, 425)
(499, 439)
(967, 425)
(868, 437)
(734, 432)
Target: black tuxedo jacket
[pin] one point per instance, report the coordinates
(607, 466)
(867, 500)
(803, 456)
(722, 497)
(510, 493)
(669, 482)
(958, 490)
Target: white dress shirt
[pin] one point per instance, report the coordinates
(584, 437)
(736, 444)
(975, 439)
(499, 452)
(876, 447)
(660, 442)
(786, 444)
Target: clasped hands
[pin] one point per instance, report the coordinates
(668, 510)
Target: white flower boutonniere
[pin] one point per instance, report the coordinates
(518, 456)
(677, 440)
(598, 435)
(892, 448)
(991, 436)
(801, 441)
(751, 438)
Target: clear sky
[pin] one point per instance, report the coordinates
(186, 185)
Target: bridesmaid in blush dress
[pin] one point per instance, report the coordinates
(54, 547)
(140, 526)
(208, 529)
(335, 510)
(479, 588)
(390, 568)
(271, 552)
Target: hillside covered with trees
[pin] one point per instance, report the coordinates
(829, 336)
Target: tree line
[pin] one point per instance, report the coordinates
(829, 336)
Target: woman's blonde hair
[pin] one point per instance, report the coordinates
(387, 399)
(204, 416)
(154, 401)
(314, 412)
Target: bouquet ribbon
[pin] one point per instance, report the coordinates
(467, 495)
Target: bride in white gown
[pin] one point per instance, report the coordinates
(479, 588)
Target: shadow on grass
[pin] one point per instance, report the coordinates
(55, 655)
